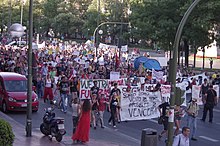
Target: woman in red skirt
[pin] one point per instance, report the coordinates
(82, 130)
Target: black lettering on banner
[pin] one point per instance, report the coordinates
(124, 89)
(90, 83)
(83, 84)
(130, 112)
(105, 84)
(141, 112)
(141, 104)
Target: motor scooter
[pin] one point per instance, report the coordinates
(52, 125)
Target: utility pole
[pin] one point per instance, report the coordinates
(98, 22)
(173, 70)
(120, 35)
(29, 95)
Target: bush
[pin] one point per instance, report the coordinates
(6, 134)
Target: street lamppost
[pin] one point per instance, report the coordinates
(173, 70)
(17, 30)
(94, 33)
(29, 99)
(22, 9)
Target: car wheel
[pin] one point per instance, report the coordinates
(4, 107)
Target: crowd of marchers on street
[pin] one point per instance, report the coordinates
(58, 69)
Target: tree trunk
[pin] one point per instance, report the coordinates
(194, 57)
(186, 48)
(203, 58)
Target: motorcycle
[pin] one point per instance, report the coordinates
(52, 125)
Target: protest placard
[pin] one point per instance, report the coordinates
(139, 105)
(158, 75)
(124, 48)
(86, 85)
(114, 75)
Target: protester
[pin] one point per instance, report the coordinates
(118, 109)
(211, 62)
(73, 89)
(113, 103)
(115, 89)
(183, 138)
(192, 114)
(178, 113)
(204, 89)
(82, 130)
(209, 102)
(75, 113)
(95, 89)
(44, 71)
(64, 93)
(39, 87)
(101, 109)
(164, 111)
(48, 91)
(94, 112)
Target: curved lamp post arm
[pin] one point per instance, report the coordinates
(172, 72)
(94, 33)
(104, 24)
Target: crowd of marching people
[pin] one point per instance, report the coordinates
(58, 69)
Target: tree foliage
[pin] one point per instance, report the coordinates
(153, 21)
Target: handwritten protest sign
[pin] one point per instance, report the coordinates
(165, 92)
(158, 75)
(124, 48)
(138, 105)
(114, 75)
(86, 85)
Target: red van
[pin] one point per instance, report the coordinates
(13, 93)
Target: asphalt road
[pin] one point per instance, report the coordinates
(129, 133)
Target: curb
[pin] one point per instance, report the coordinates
(38, 139)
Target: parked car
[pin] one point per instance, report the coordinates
(13, 93)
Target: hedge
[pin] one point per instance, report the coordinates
(6, 134)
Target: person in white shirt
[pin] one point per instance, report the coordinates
(183, 138)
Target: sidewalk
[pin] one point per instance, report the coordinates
(38, 139)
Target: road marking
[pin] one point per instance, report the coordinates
(123, 135)
(38, 129)
(208, 138)
(154, 121)
(204, 137)
(216, 110)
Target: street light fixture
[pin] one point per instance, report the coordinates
(94, 33)
(16, 30)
